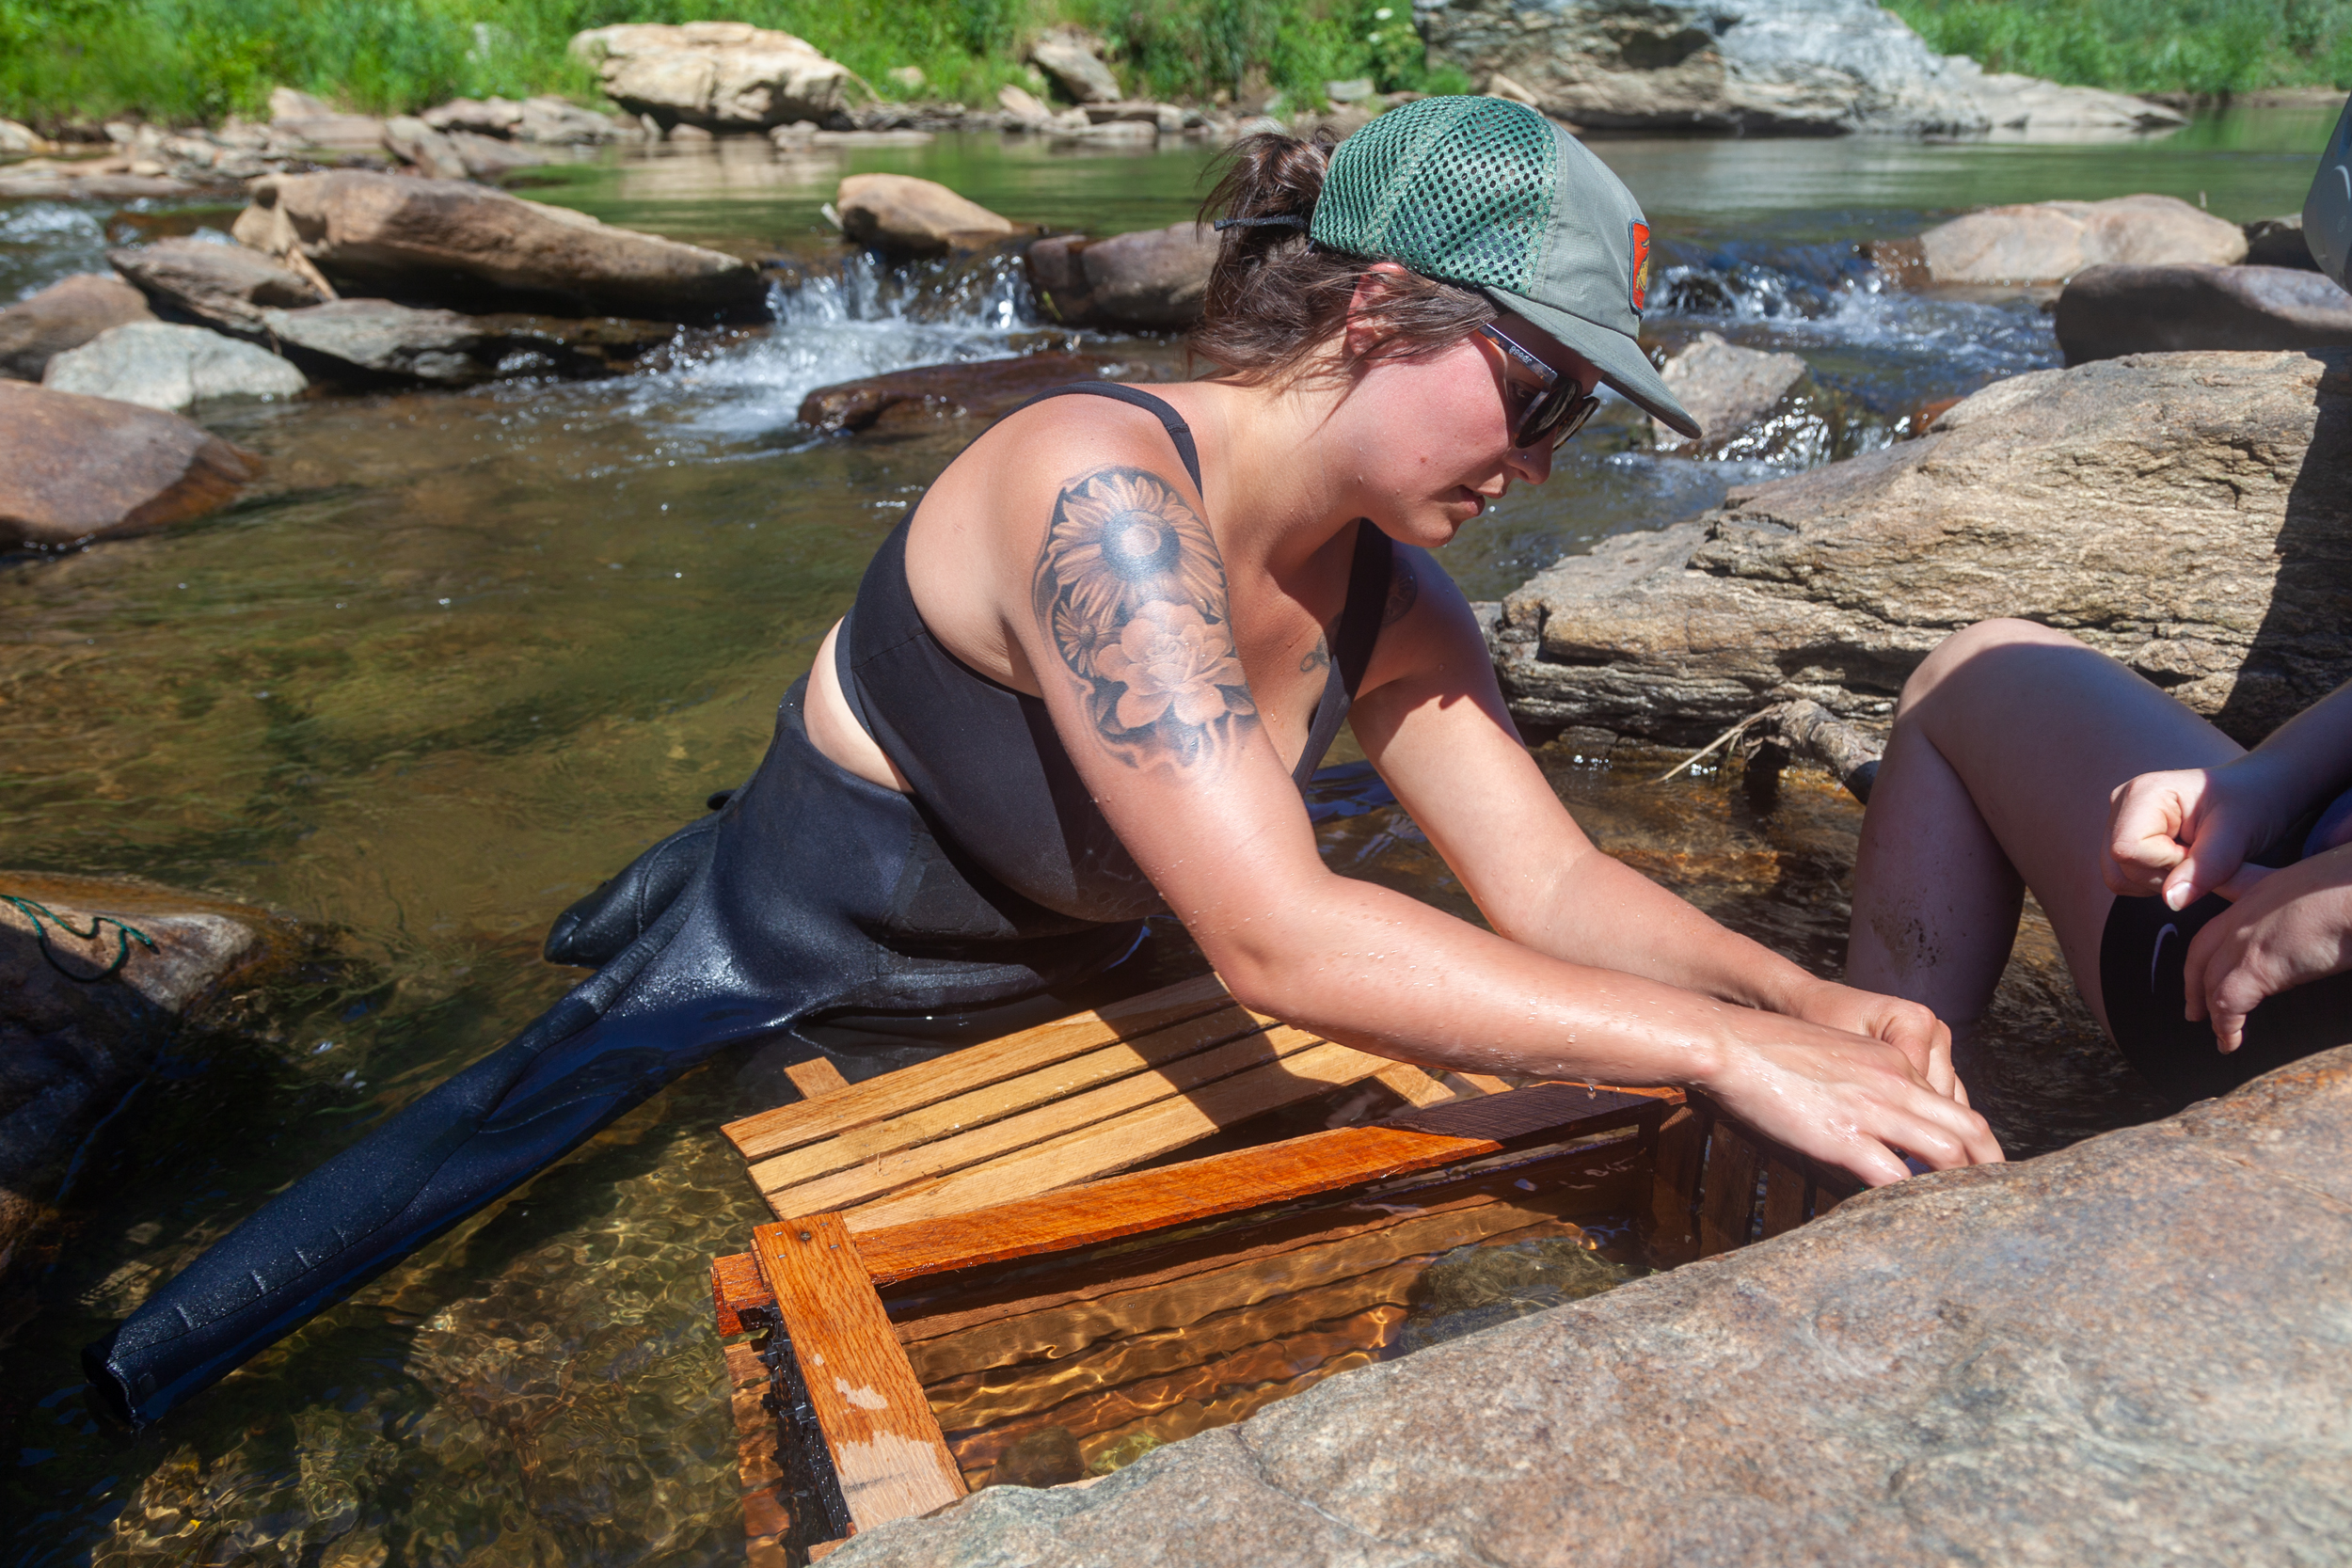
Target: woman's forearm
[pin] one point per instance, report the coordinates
(2309, 757)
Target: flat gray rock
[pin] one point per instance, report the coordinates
(161, 365)
(224, 285)
(384, 339)
(2135, 1350)
(63, 316)
(1727, 389)
(2189, 513)
(2113, 311)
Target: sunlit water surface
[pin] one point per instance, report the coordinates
(462, 654)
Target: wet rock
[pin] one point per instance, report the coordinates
(1074, 60)
(83, 468)
(465, 246)
(164, 365)
(484, 116)
(2107, 311)
(61, 184)
(2189, 513)
(982, 389)
(21, 141)
(1022, 107)
(558, 123)
(902, 215)
(2278, 242)
(1155, 279)
(75, 1039)
(718, 75)
(426, 150)
(1788, 67)
(222, 285)
(2048, 242)
(1943, 1370)
(374, 339)
(1727, 389)
(489, 158)
(63, 316)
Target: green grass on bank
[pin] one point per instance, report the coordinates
(188, 60)
(2175, 46)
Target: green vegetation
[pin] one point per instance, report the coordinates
(2191, 46)
(188, 60)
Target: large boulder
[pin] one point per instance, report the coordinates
(720, 75)
(84, 467)
(77, 1028)
(2189, 513)
(1728, 390)
(1155, 279)
(902, 215)
(1075, 60)
(162, 365)
(63, 316)
(2048, 242)
(1802, 67)
(465, 246)
(2129, 1351)
(374, 339)
(2107, 311)
(225, 286)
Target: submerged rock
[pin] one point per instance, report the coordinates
(720, 75)
(377, 340)
(63, 316)
(2111, 310)
(980, 389)
(902, 215)
(84, 467)
(1155, 278)
(224, 285)
(74, 1038)
(2189, 513)
(1728, 390)
(465, 246)
(162, 365)
(1787, 66)
(2049, 242)
(2129, 1351)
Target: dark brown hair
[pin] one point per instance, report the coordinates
(1276, 295)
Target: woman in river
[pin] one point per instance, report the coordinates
(2202, 892)
(1084, 681)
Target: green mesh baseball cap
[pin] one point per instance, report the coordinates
(1488, 193)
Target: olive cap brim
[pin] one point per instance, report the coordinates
(1620, 359)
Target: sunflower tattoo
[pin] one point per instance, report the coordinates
(1130, 586)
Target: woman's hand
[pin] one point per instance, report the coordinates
(2186, 832)
(1910, 1028)
(2292, 926)
(1845, 1100)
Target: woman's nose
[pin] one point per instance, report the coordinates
(1532, 464)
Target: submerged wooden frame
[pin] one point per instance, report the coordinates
(834, 1365)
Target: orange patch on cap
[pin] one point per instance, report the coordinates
(1640, 266)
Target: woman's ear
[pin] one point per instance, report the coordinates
(1365, 331)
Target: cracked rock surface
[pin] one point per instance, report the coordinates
(2135, 1350)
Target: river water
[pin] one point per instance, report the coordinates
(462, 654)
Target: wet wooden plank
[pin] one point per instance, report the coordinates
(816, 1078)
(734, 1284)
(1100, 1151)
(1411, 1084)
(766, 1520)
(1675, 1190)
(1058, 1221)
(888, 1450)
(841, 1173)
(1729, 1198)
(1784, 1195)
(772, 1133)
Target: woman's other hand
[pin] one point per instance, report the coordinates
(1844, 1099)
(2294, 926)
(2183, 834)
(1910, 1028)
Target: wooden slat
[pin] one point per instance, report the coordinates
(1484, 1083)
(1784, 1196)
(840, 1173)
(734, 1284)
(1153, 1200)
(771, 1132)
(816, 1078)
(1675, 1193)
(1729, 1198)
(1411, 1084)
(886, 1448)
(1107, 1147)
(766, 1520)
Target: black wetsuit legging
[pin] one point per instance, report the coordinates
(810, 894)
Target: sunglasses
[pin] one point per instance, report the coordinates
(1561, 407)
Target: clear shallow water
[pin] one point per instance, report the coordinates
(462, 654)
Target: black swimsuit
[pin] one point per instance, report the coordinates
(811, 904)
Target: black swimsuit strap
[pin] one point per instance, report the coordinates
(1352, 643)
(1170, 419)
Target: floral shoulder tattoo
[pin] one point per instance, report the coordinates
(1130, 587)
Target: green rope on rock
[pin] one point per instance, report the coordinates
(37, 912)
